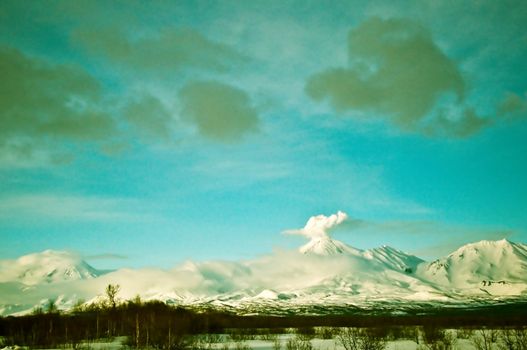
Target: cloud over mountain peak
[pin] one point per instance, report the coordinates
(319, 226)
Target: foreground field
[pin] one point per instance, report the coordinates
(325, 338)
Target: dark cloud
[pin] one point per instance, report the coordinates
(42, 103)
(47, 109)
(513, 105)
(397, 72)
(219, 111)
(170, 49)
(150, 117)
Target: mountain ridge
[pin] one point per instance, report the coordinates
(336, 274)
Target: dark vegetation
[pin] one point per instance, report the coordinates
(154, 324)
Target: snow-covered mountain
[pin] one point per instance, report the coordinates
(326, 246)
(335, 276)
(492, 266)
(322, 244)
(323, 274)
(317, 229)
(387, 256)
(49, 266)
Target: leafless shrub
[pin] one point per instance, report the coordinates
(277, 344)
(205, 342)
(521, 338)
(403, 332)
(241, 346)
(484, 339)
(305, 333)
(361, 339)
(436, 338)
(512, 339)
(298, 343)
(240, 336)
(268, 336)
(507, 340)
(464, 333)
(325, 332)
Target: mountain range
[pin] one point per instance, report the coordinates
(323, 274)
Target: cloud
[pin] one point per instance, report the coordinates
(168, 50)
(220, 111)
(150, 118)
(41, 104)
(448, 124)
(513, 106)
(320, 225)
(71, 208)
(425, 238)
(242, 172)
(106, 256)
(397, 72)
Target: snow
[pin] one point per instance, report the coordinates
(46, 267)
(268, 294)
(490, 266)
(327, 246)
(394, 258)
(258, 344)
(322, 272)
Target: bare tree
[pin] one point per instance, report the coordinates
(51, 307)
(111, 294)
(349, 338)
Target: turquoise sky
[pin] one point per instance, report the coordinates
(146, 133)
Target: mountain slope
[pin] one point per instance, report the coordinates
(323, 245)
(387, 256)
(481, 265)
(49, 266)
(394, 258)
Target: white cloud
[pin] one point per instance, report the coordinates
(320, 225)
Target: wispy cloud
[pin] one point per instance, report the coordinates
(243, 171)
(164, 52)
(106, 256)
(72, 208)
(449, 244)
(425, 238)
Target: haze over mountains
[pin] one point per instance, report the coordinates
(323, 272)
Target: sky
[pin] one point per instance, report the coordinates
(148, 133)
